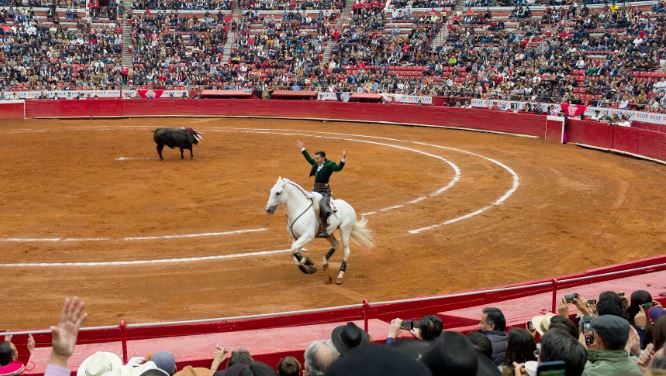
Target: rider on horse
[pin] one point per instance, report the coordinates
(322, 169)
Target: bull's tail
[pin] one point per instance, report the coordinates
(361, 234)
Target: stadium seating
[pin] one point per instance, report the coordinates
(604, 55)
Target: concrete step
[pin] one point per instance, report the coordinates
(345, 15)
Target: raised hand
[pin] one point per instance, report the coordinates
(219, 356)
(344, 155)
(394, 328)
(64, 334)
(31, 343)
(563, 308)
(300, 144)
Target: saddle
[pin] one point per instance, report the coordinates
(316, 197)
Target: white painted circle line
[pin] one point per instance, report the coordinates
(499, 201)
(142, 262)
(131, 238)
(514, 186)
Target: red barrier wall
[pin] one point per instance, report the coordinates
(528, 124)
(11, 110)
(649, 126)
(625, 139)
(651, 144)
(590, 133)
(640, 142)
(554, 131)
(633, 140)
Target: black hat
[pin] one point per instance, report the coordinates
(254, 368)
(413, 348)
(347, 337)
(452, 354)
(376, 360)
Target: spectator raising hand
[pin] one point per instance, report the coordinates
(218, 357)
(66, 332)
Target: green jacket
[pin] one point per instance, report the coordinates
(323, 175)
(610, 363)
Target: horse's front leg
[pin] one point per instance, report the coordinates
(304, 263)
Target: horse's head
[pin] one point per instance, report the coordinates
(277, 196)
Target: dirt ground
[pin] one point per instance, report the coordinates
(574, 209)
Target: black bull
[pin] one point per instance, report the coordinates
(182, 138)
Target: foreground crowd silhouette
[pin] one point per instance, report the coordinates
(610, 335)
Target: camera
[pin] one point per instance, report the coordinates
(587, 330)
(570, 297)
(591, 302)
(409, 324)
(647, 306)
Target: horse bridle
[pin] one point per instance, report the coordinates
(291, 226)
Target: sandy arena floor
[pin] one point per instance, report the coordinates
(94, 192)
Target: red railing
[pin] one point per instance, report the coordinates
(364, 311)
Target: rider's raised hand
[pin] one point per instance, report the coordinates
(344, 155)
(301, 144)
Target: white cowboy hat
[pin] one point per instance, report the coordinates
(542, 323)
(101, 363)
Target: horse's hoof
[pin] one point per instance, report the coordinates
(307, 269)
(339, 281)
(307, 261)
(324, 264)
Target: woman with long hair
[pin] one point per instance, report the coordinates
(520, 349)
(638, 298)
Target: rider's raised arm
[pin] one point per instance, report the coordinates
(338, 167)
(308, 157)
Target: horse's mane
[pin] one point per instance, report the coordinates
(306, 193)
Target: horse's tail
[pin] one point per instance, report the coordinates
(361, 234)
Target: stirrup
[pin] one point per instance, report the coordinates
(323, 234)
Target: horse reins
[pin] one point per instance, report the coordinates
(303, 212)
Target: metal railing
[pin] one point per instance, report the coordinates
(366, 311)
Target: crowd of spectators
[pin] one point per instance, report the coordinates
(543, 61)
(182, 4)
(609, 335)
(600, 56)
(57, 57)
(291, 5)
(410, 4)
(72, 4)
(176, 49)
(528, 3)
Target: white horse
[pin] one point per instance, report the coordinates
(303, 223)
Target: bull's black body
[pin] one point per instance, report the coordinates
(182, 138)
